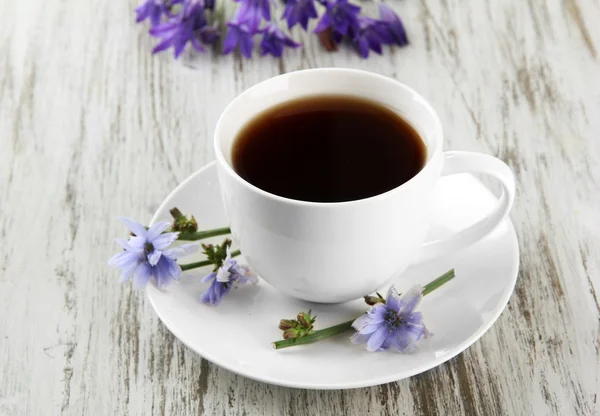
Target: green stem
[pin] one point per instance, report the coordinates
(190, 266)
(345, 326)
(200, 235)
(440, 281)
(315, 336)
(203, 263)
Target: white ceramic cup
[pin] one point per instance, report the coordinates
(335, 252)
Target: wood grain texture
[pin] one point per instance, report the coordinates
(92, 126)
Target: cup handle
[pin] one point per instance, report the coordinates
(469, 162)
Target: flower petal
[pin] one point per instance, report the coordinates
(137, 244)
(142, 276)
(386, 13)
(164, 30)
(157, 229)
(154, 257)
(179, 46)
(209, 277)
(358, 338)
(392, 300)
(164, 240)
(231, 40)
(405, 339)
(125, 244)
(248, 278)
(399, 341)
(136, 228)
(265, 8)
(166, 271)
(362, 47)
(290, 43)
(394, 24)
(410, 300)
(196, 44)
(415, 318)
(323, 24)
(246, 45)
(415, 326)
(128, 270)
(289, 14)
(374, 43)
(377, 339)
(156, 16)
(123, 259)
(223, 274)
(360, 322)
(214, 294)
(377, 313)
(133, 245)
(236, 268)
(371, 327)
(163, 45)
(181, 251)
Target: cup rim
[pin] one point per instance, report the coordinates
(435, 148)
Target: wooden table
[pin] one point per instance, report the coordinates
(92, 127)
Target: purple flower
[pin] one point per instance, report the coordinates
(223, 279)
(209, 34)
(215, 292)
(274, 40)
(394, 25)
(340, 15)
(370, 34)
(299, 11)
(393, 324)
(150, 9)
(238, 35)
(147, 255)
(250, 13)
(183, 28)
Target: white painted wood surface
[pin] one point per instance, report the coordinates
(92, 126)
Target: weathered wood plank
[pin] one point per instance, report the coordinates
(92, 126)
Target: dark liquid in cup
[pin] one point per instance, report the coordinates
(328, 149)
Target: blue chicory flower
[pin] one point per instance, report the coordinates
(394, 25)
(215, 292)
(340, 16)
(251, 11)
(240, 35)
(183, 28)
(394, 324)
(223, 279)
(299, 11)
(147, 255)
(275, 40)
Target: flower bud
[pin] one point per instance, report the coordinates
(209, 34)
(175, 213)
(373, 300)
(305, 320)
(290, 333)
(181, 222)
(285, 324)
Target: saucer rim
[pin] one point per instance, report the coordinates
(501, 306)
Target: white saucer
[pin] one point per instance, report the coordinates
(237, 335)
